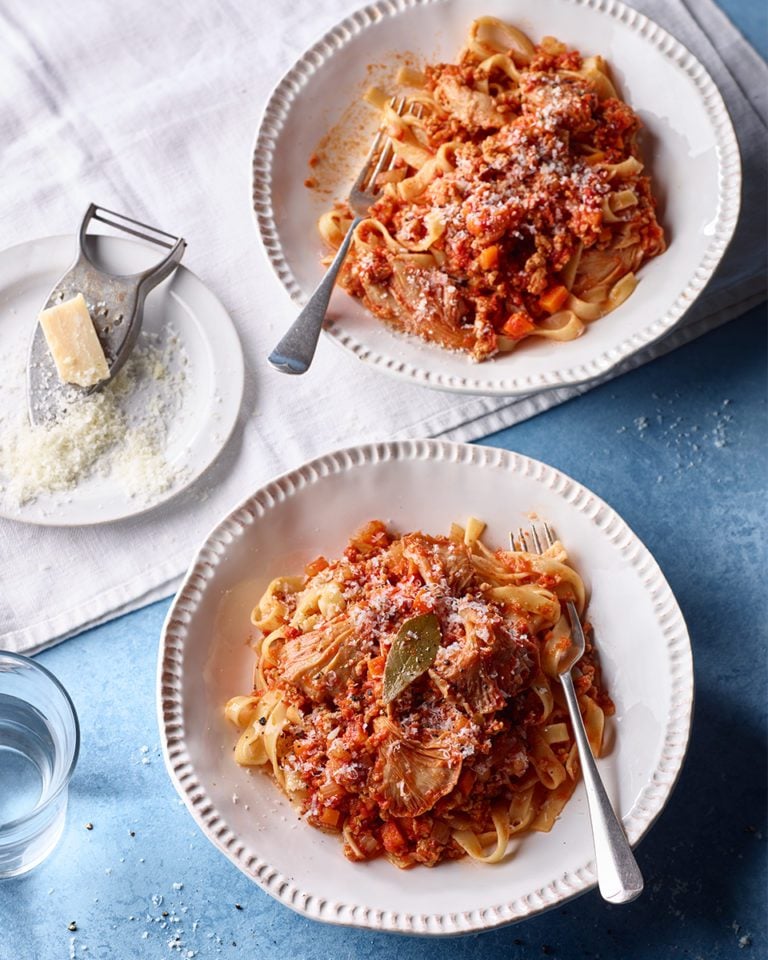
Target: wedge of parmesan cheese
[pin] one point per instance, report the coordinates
(74, 343)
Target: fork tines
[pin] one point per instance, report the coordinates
(532, 541)
(383, 158)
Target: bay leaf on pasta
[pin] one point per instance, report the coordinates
(412, 652)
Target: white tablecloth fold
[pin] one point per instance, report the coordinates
(152, 108)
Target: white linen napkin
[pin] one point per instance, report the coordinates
(151, 109)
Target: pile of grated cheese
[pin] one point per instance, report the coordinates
(119, 432)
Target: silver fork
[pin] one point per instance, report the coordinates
(618, 875)
(295, 351)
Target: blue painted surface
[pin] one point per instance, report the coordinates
(679, 449)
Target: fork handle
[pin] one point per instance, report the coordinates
(295, 351)
(618, 875)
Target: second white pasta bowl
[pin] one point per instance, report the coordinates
(416, 485)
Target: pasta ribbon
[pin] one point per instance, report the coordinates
(488, 36)
(473, 843)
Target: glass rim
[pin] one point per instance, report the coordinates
(67, 776)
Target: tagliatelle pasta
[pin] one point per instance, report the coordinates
(405, 695)
(517, 206)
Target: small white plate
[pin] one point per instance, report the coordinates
(213, 370)
(688, 145)
(416, 485)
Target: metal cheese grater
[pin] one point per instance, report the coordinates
(116, 306)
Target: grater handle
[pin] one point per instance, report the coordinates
(154, 275)
(126, 224)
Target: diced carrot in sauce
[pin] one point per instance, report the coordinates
(376, 666)
(330, 817)
(519, 325)
(315, 566)
(466, 781)
(423, 604)
(475, 224)
(392, 838)
(489, 258)
(554, 299)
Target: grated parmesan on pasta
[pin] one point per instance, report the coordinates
(405, 694)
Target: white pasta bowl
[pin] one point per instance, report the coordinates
(416, 485)
(688, 146)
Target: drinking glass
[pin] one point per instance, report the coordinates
(39, 744)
